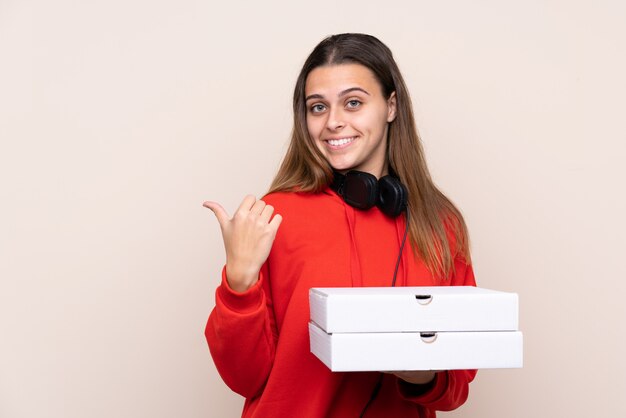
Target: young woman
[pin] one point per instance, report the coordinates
(354, 144)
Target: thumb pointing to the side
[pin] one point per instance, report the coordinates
(219, 211)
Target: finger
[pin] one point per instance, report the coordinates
(218, 210)
(266, 215)
(258, 207)
(246, 203)
(275, 222)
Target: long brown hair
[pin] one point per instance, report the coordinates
(434, 220)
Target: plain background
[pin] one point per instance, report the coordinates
(119, 117)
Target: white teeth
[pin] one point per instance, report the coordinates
(338, 142)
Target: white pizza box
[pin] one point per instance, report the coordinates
(342, 352)
(413, 309)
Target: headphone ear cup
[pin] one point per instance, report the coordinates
(360, 190)
(392, 196)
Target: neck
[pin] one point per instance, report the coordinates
(378, 173)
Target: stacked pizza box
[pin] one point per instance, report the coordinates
(414, 328)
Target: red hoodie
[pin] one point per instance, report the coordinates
(259, 338)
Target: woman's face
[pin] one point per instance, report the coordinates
(348, 116)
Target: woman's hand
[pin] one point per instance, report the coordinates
(248, 238)
(416, 377)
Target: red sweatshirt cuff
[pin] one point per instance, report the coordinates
(241, 302)
(424, 394)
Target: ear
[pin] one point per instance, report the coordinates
(391, 107)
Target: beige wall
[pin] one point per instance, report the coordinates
(118, 118)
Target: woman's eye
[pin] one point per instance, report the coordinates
(317, 108)
(353, 104)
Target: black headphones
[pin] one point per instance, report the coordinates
(363, 191)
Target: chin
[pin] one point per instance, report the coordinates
(341, 167)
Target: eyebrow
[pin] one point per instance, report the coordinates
(341, 93)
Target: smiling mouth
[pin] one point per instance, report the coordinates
(340, 142)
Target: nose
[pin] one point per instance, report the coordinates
(335, 120)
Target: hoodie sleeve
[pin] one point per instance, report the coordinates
(450, 388)
(241, 335)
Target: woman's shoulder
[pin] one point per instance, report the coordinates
(304, 215)
(286, 200)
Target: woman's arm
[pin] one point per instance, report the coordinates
(241, 332)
